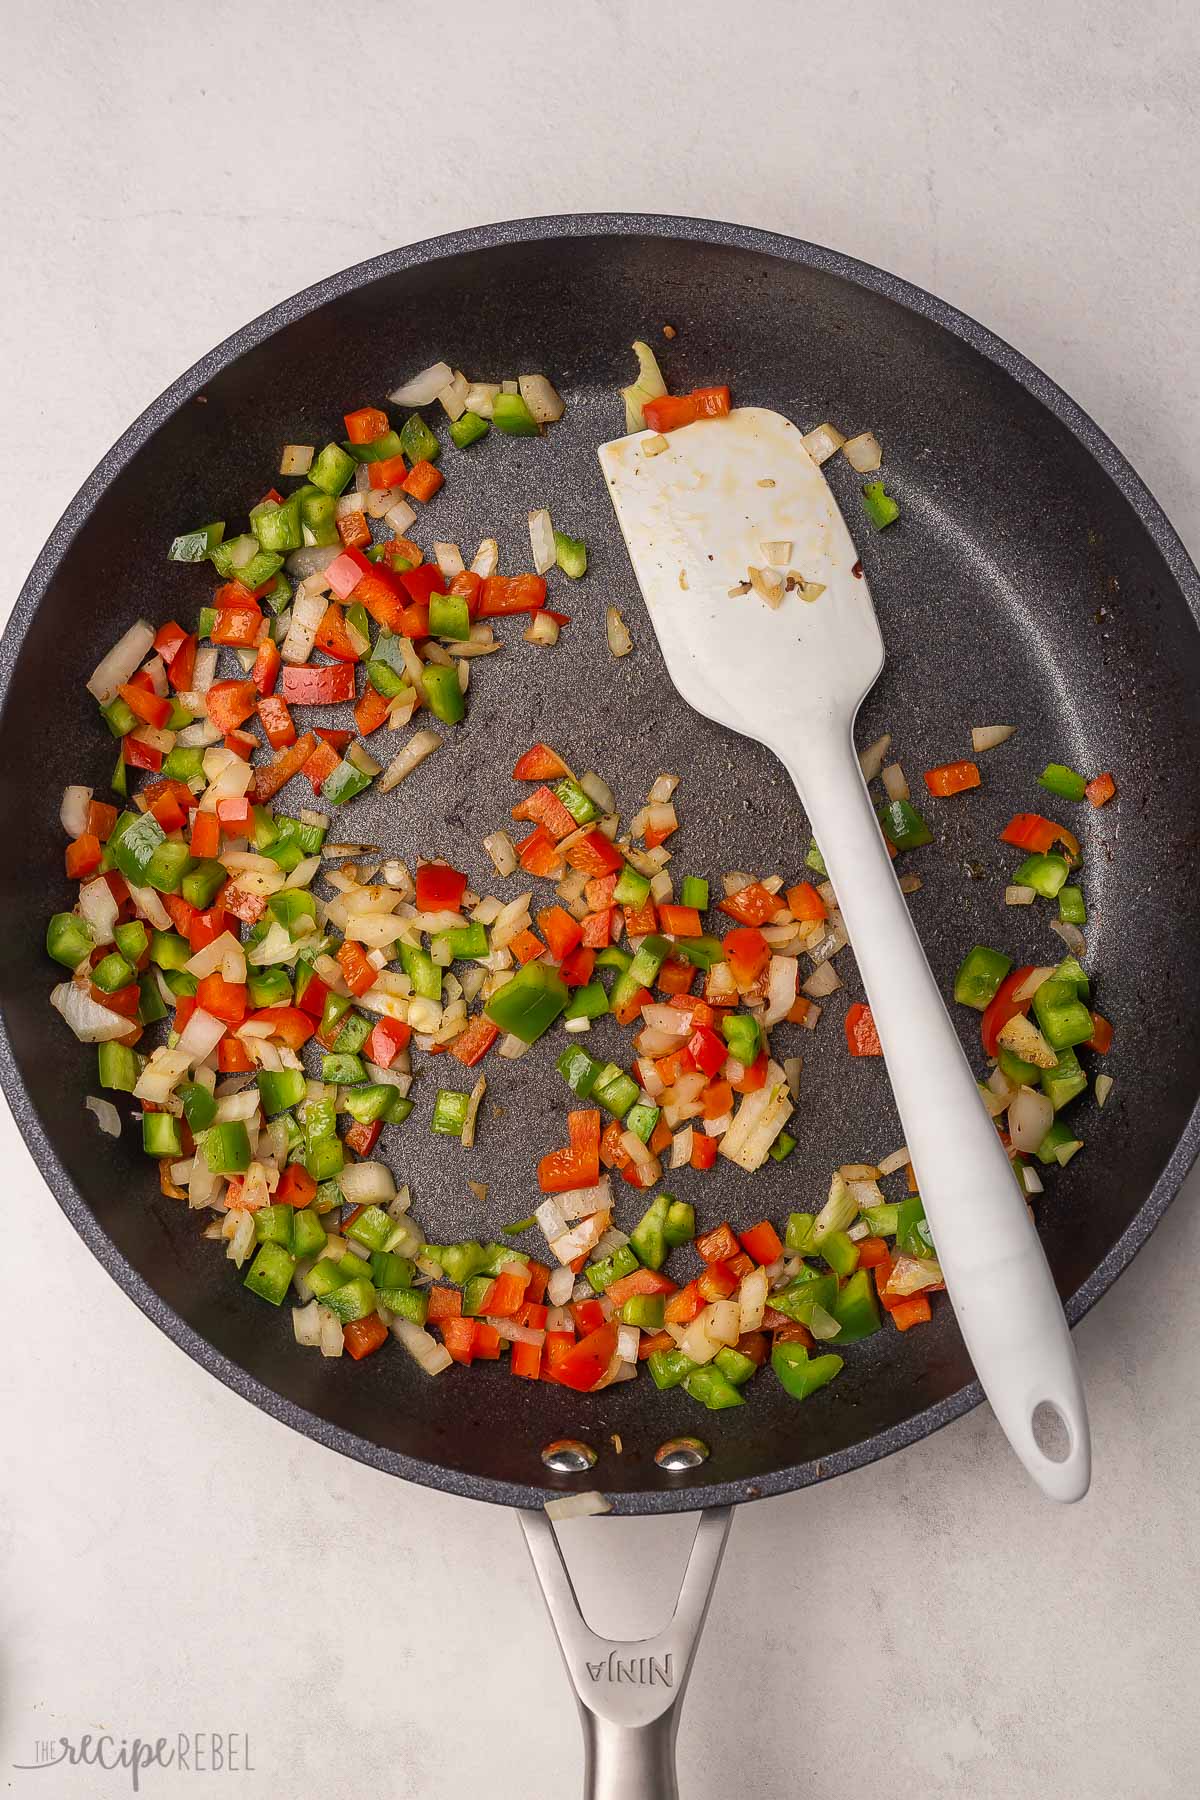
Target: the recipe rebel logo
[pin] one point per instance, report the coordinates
(186, 1753)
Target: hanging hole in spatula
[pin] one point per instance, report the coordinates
(1051, 1433)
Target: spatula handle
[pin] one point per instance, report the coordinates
(995, 1269)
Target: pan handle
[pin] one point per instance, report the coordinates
(629, 1693)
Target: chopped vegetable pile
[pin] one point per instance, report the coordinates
(302, 985)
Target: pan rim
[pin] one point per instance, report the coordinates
(532, 231)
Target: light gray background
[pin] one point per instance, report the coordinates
(928, 1627)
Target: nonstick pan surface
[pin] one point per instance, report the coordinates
(1032, 580)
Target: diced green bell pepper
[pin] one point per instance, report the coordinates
(570, 554)
(856, 1308)
(1024, 1074)
(422, 971)
(477, 1291)
(449, 1113)
(612, 1268)
(840, 1252)
(801, 1375)
(168, 950)
(407, 1303)
(884, 1220)
(579, 804)
(332, 470)
(151, 1007)
(913, 1235)
(669, 1367)
(344, 783)
(590, 1002)
(194, 546)
(814, 860)
(273, 1225)
(805, 1294)
(318, 512)
(510, 414)
(465, 943)
(1045, 874)
(270, 1274)
(701, 952)
(449, 617)
(227, 1148)
(468, 429)
(713, 1389)
(117, 1067)
(1062, 1016)
(1071, 908)
(326, 1274)
(184, 763)
(1072, 970)
(134, 850)
(161, 1135)
(741, 1032)
(693, 891)
(1063, 1082)
(680, 1227)
(268, 987)
(308, 1232)
(377, 1100)
(798, 1237)
(356, 1029)
(648, 959)
(69, 939)
(1060, 1137)
(528, 1005)
(579, 1071)
(1057, 778)
(979, 976)
(391, 1271)
(646, 1311)
(879, 506)
(202, 884)
(734, 1365)
(132, 940)
(354, 1299)
(648, 1239)
(632, 888)
(613, 1089)
(345, 1070)
(443, 694)
(278, 527)
(783, 1146)
(325, 1158)
(417, 440)
(903, 824)
(372, 1228)
(641, 1120)
(199, 1106)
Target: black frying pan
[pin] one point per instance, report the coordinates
(1032, 579)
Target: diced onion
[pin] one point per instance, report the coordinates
(1032, 982)
(822, 441)
(1104, 1086)
(542, 629)
(98, 907)
(453, 397)
(114, 670)
(986, 737)
(1071, 936)
(541, 540)
(752, 1300)
(1016, 894)
(870, 760)
(423, 389)
(628, 1339)
(758, 1121)
(577, 1506)
(895, 782)
(542, 399)
(91, 1022)
(781, 991)
(367, 1184)
(200, 1035)
(899, 1159)
(296, 459)
(306, 1320)
(560, 1286)
(449, 560)
(863, 452)
(481, 396)
(793, 1067)
(473, 1104)
(648, 386)
(619, 640)
(73, 812)
(107, 1116)
(1030, 1117)
(823, 980)
(598, 791)
(420, 745)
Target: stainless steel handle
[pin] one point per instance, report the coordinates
(629, 1693)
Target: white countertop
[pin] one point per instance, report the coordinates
(928, 1627)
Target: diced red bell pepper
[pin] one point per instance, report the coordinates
(686, 1305)
(1030, 831)
(588, 1360)
(237, 625)
(371, 710)
(365, 425)
(242, 743)
(861, 1035)
(595, 855)
(1002, 1007)
(230, 703)
(915, 1310)
(317, 684)
(444, 1303)
(716, 1282)
(474, 1043)
(468, 586)
(296, 1187)
(276, 721)
(333, 635)
(561, 1170)
(707, 1050)
(487, 1342)
(805, 904)
(223, 999)
(753, 1078)
(233, 1058)
(717, 1245)
(588, 1315)
(100, 819)
(83, 856)
(539, 1275)
(422, 481)
(236, 816)
(680, 921)
(642, 1281)
(204, 928)
(526, 947)
(458, 1335)
(583, 1132)
(752, 905)
(544, 807)
(640, 920)
(179, 911)
(320, 765)
(747, 952)
(1102, 1035)
(762, 1242)
(628, 1011)
(289, 762)
(138, 754)
(388, 1038)
(265, 672)
(512, 594)
(538, 853)
(560, 931)
(353, 530)
(439, 887)
(654, 835)
(540, 763)
(557, 1345)
(361, 1138)
(249, 908)
(1100, 790)
(952, 778)
(362, 1336)
(675, 976)
(181, 669)
(169, 640)
(292, 1024)
(525, 1359)
(597, 928)
(357, 969)
(669, 411)
(346, 571)
(578, 965)
(387, 472)
(150, 708)
(506, 1296)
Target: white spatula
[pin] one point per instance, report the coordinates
(695, 518)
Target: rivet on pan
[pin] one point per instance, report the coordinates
(567, 1456)
(678, 1455)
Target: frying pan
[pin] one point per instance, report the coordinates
(1032, 579)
